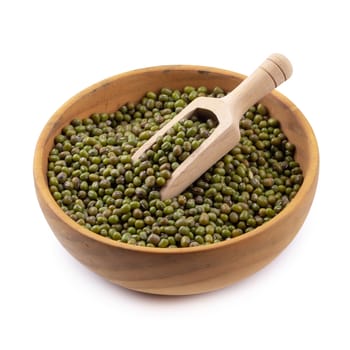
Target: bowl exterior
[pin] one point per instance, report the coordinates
(186, 270)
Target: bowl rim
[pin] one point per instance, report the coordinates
(42, 186)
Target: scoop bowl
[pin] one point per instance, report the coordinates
(180, 271)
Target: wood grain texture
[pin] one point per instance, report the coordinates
(186, 270)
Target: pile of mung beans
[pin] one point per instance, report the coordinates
(93, 179)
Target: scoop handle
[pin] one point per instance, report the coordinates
(271, 73)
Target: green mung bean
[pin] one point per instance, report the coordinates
(92, 177)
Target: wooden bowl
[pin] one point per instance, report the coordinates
(185, 270)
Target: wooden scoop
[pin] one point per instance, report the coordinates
(228, 110)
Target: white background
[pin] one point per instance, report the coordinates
(50, 50)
